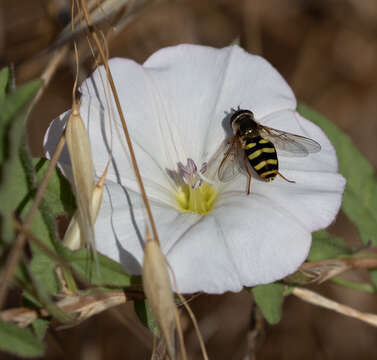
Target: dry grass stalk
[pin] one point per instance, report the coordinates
(157, 288)
(58, 56)
(196, 325)
(100, 11)
(180, 334)
(83, 307)
(159, 349)
(319, 300)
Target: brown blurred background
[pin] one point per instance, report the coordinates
(327, 51)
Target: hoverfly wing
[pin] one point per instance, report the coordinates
(230, 164)
(291, 144)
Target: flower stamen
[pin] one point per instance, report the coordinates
(196, 194)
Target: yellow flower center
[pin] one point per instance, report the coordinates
(199, 200)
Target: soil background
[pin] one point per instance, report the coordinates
(326, 50)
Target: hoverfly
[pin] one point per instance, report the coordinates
(256, 144)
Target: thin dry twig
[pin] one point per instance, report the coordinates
(99, 12)
(123, 121)
(84, 307)
(255, 332)
(49, 72)
(319, 300)
(16, 251)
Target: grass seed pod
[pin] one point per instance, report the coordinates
(159, 294)
(83, 172)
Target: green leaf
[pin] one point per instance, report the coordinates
(12, 118)
(269, 298)
(326, 246)
(4, 78)
(43, 225)
(39, 327)
(360, 196)
(106, 273)
(19, 341)
(43, 270)
(12, 129)
(43, 296)
(58, 194)
(144, 313)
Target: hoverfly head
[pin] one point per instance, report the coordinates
(242, 121)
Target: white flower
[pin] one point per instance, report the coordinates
(176, 105)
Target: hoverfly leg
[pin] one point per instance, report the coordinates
(283, 177)
(249, 173)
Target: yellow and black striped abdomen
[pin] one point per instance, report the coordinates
(262, 157)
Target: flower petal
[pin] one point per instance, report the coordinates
(313, 200)
(200, 84)
(242, 244)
